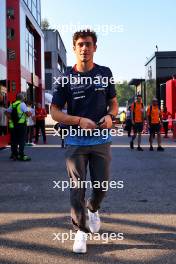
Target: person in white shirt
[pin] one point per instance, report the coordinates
(30, 124)
(3, 120)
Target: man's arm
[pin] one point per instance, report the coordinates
(28, 114)
(66, 119)
(8, 114)
(148, 116)
(143, 113)
(113, 110)
(113, 106)
(62, 117)
(132, 113)
(25, 110)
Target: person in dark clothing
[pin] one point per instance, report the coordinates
(17, 113)
(90, 104)
(128, 125)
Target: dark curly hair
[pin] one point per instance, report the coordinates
(83, 34)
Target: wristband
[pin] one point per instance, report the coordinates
(112, 116)
(79, 121)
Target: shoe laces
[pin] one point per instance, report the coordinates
(94, 216)
(81, 236)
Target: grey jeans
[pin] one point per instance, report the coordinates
(78, 158)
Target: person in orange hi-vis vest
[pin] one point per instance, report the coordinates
(137, 112)
(154, 119)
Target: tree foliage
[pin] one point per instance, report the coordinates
(124, 92)
(45, 24)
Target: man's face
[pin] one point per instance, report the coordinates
(138, 99)
(155, 103)
(84, 49)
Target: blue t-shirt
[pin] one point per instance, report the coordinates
(88, 97)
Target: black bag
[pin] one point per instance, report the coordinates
(14, 114)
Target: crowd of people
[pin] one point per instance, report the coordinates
(31, 121)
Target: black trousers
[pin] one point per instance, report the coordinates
(78, 158)
(128, 126)
(18, 138)
(40, 124)
(165, 126)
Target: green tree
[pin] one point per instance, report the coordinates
(124, 92)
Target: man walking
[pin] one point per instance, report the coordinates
(137, 111)
(90, 104)
(154, 123)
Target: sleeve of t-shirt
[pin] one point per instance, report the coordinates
(111, 86)
(33, 112)
(59, 96)
(23, 108)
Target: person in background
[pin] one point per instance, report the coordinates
(154, 119)
(3, 120)
(165, 116)
(40, 114)
(128, 125)
(60, 127)
(30, 124)
(17, 114)
(122, 117)
(137, 111)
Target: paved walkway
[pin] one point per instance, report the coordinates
(34, 215)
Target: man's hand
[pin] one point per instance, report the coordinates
(8, 114)
(28, 113)
(107, 122)
(87, 123)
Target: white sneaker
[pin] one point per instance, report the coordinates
(94, 221)
(79, 245)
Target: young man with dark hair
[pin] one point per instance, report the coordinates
(89, 105)
(137, 113)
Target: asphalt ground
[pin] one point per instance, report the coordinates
(35, 223)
